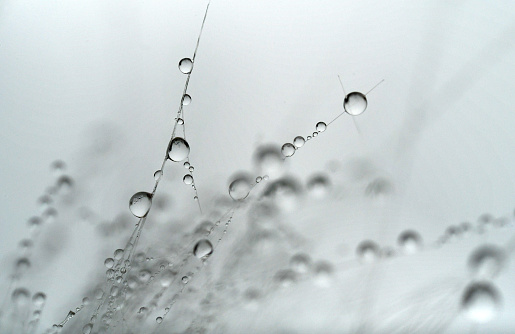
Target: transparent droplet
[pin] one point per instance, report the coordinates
(118, 254)
(323, 274)
(288, 150)
(178, 150)
(308, 138)
(258, 179)
(26, 244)
(315, 134)
(285, 277)
(187, 179)
(319, 185)
(321, 126)
(481, 302)
(99, 293)
(191, 169)
(64, 184)
(186, 99)
(285, 192)
(410, 241)
(240, 188)
(368, 251)
(109, 263)
(140, 204)
(299, 141)
(203, 248)
(300, 263)
(87, 328)
(186, 164)
(180, 121)
(39, 299)
(20, 296)
(22, 265)
(268, 160)
(486, 261)
(158, 174)
(159, 320)
(185, 279)
(185, 65)
(355, 103)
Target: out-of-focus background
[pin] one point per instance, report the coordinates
(89, 90)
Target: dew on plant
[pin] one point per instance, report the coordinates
(179, 149)
(140, 204)
(288, 150)
(185, 65)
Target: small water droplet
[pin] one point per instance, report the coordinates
(185, 279)
(159, 320)
(240, 188)
(140, 204)
(308, 138)
(355, 103)
(319, 185)
(258, 179)
(481, 302)
(180, 121)
(185, 65)
(191, 169)
(486, 261)
(187, 179)
(158, 174)
(321, 126)
(300, 263)
(186, 99)
(299, 141)
(87, 328)
(118, 254)
(186, 164)
(288, 150)
(368, 251)
(178, 150)
(203, 248)
(39, 299)
(20, 296)
(315, 134)
(410, 241)
(109, 263)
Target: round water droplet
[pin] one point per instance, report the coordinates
(22, 265)
(323, 274)
(308, 138)
(240, 188)
(64, 184)
(186, 99)
(185, 65)
(288, 150)
(186, 164)
(481, 302)
(203, 248)
(368, 251)
(109, 263)
(191, 169)
(315, 134)
(159, 320)
(180, 121)
(178, 150)
(187, 179)
(285, 277)
(299, 141)
(118, 254)
(268, 160)
(158, 174)
(486, 261)
(321, 126)
(319, 185)
(410, 241)
(185, 279)
(140, 204)
(39, 299)
(87, 328)
(20, 296)
(258, 179)
(300, 263)
(355, 103)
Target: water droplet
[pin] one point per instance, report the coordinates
(144, 275)
(299, 141)
(285, 192)
(186, 99)
(285, 277)
(159, 320)
(191, 169)
(185, 65)
(22, 265)
(258, 179)
(268, 159)
(240, 188)
(26, 244)
(158, 174)
(355, 103)
(486, 261)
(315, 134)
(64, 184)
(480, 302)
(410, 241)
(118, 254)
(140, 204)
(99, 293)
(323, 274)
(39, 299)
(20, 296)
(187, 179)
(288, 150)
(203, 248)
(109, 263)
(87, 328)
(85, 301)
(368, 251)
(300, 263)
(321, 126)
(178, 150)
(308, 138)
(185, 279)
(319, 185)
(186, 164)
(180, 121)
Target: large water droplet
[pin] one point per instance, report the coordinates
(410, 241)
(109, 263)
(203, 248)
(299, 141)
(321, 126)
(140, 204)
(185, 65)
(486, 261)
(288, 150)
(240, 188)
(481, 302)
(178, 150)
(187, 179)
(186, 99)
(355, 103)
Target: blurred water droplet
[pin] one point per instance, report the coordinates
(39, 299)
(355, 103)
(203, 248)
(410, 241)
(321, 126)
(268, 160)
(140, 204)
(486, 261)
(299, 141)
(20, 297)
(87, 328)
(186, 99)
(481, 302)
(178, 150)
(368, 251)
(185, 65)
(64, 184)
(288, 150)
(285, 277)
(323, 273)
(300, 263)
(319, 185)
